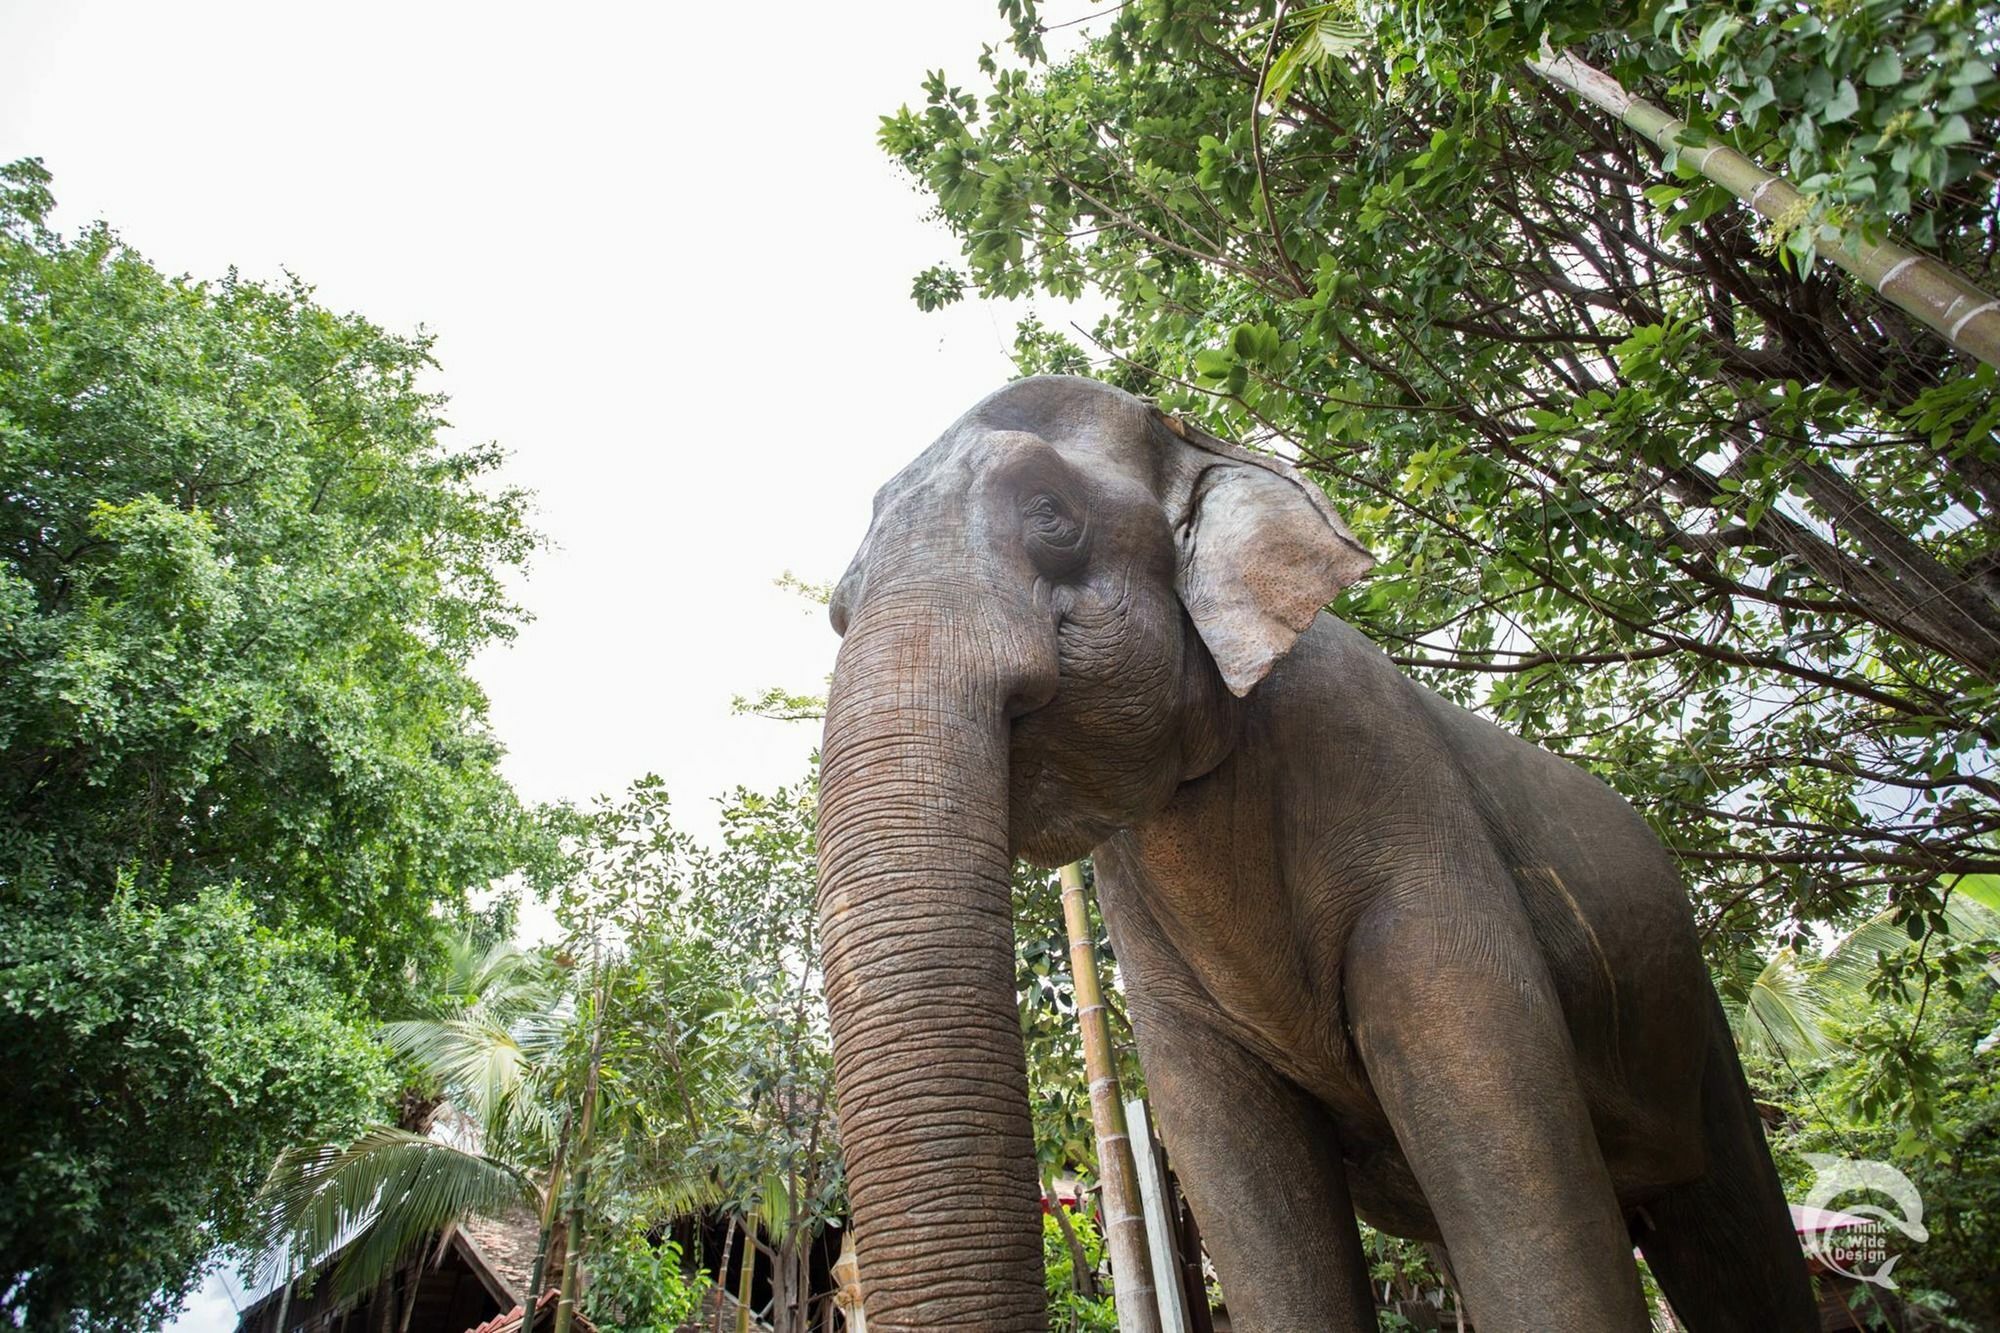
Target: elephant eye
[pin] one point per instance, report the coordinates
(1054, 535)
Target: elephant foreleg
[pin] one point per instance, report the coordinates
(1457, 1023)
(1262, 1169)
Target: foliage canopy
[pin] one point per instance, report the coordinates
(243, 770)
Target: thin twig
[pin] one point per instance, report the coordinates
(1257, 153)
(1071, 23)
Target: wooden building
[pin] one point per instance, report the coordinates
(473, 1274)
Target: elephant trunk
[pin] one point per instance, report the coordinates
(916, 927)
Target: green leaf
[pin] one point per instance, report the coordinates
(1844, 103)
(1886, 68)
(1760, 97)
(1714, 33)
(1214, 363)
(1954, 130)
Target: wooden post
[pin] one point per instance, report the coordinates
(1124, 1220)
(847, 1280)
(1187, 1248)
(1158, 1203)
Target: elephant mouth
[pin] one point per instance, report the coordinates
(1055, 815)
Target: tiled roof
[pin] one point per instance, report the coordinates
(507, 1243)
(545, 1316)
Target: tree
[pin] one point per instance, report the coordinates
(483, 1060)
(1782, 1010)
(1839, 1041)
(1071, 1252)
(774, 1148)
(1648, 484)
(159, 1058)
(669, 1052)
(243, 769)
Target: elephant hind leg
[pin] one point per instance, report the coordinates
(1723, 1247)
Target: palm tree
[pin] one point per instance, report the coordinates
(482, 1060)
(1788, 1003)
(517, 1062)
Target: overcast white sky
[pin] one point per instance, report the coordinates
(667, 268)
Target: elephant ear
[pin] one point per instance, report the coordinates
(1261, 551)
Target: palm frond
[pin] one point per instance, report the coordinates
(478, 1062)
(371, 1200)
(1789, 1003)
(1853, 960)
(1983, 890)
(494, 976)
(1855, 957)
(542, 1031)
(1784, 1011)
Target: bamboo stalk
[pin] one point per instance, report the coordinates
(548, 1217)
(1124, 1218)
(573, 1250)
(1944, 300)
(746, 1276)
(847, 1282)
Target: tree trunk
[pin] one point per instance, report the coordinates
(1083, 1280)
(793, 1320)
(572, 1262)
(722, 1270)
(573, 1249)
(410, 1298)
(557, 1165)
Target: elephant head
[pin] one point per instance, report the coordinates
(1045, 632)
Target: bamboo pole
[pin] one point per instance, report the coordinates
(847, 1285)
(1124, 1218)
(1945, 301)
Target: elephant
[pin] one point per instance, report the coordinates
(1382, 958)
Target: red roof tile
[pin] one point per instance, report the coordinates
(545, 1314)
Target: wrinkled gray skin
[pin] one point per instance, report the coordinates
(1382, 957)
